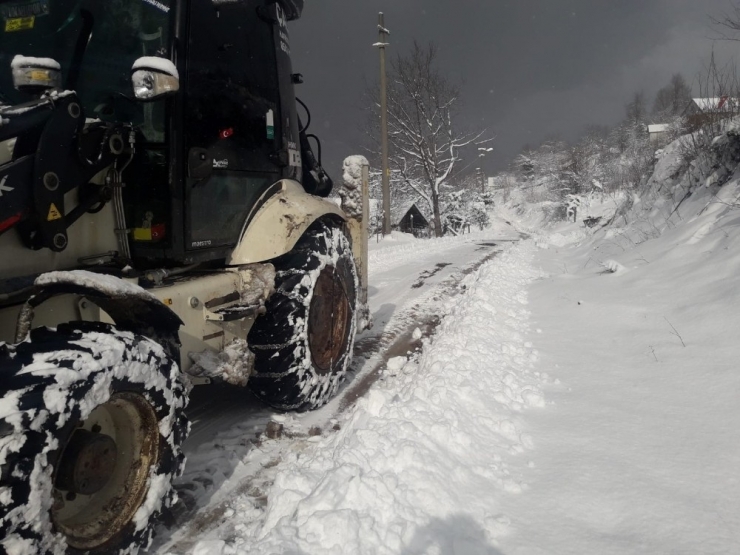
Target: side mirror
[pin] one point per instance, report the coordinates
(154, 78)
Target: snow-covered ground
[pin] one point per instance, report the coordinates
(232, 463)
(419, 463)
(575, 391)
(637, 453)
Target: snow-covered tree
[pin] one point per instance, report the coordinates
(479, 216)
(546, 170)
(637, 109)
(464, 205)
(454, 212)
(602, 160)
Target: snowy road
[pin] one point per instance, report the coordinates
(227, 452)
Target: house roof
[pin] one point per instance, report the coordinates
(658, 128)
(399, 211)
(717, 104)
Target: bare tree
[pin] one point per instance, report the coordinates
(672, 100)
(636, 109)
(729, 23)
(425, 144)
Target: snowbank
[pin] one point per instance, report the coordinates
(640, 324)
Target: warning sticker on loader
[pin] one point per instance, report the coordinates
(54, 213)
(152, 233)
(20, 24)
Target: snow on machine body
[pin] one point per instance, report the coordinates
(161, 213)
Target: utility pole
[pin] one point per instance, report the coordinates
(381, 44)
(482, 151)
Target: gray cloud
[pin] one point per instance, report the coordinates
(528, 68)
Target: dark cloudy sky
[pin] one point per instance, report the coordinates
(528, 69)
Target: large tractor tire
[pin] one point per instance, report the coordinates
(91, 427)
(303, 343)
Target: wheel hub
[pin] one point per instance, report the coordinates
(88, 463)
(102, 473)
(328, 320)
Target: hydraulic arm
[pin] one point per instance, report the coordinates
(52, 153)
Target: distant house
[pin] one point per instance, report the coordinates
(722, 104)
(658, 133)
(408, 218)
(702, 111)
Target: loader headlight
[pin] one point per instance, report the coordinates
(154, 78)
(35, 74)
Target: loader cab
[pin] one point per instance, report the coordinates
(232, 131)
(234, 115)
(205, 155)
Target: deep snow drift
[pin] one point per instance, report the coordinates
(421, 459)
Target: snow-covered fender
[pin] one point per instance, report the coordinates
(129, 306)
(280, 218)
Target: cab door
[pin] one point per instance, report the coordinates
(232, 118)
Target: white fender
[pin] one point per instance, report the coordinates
(279, 222)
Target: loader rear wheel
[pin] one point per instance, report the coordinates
(303, 343)
(91, 428)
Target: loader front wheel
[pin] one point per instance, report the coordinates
(91, 428)
(303, 343)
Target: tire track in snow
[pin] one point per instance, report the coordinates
(402, 339)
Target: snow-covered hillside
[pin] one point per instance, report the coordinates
(639, 322)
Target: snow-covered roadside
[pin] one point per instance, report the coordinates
(639, 453)
(421, 463)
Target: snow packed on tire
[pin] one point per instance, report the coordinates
(56, 378)
(285, 376)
